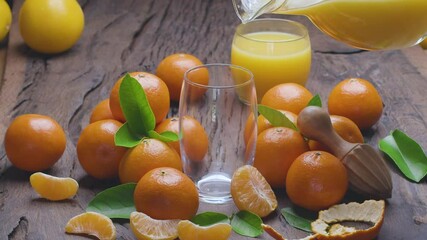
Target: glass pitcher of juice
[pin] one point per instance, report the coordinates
(364, 24)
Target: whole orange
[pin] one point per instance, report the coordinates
(276, 149)
(96, 151)
(357, 99)
(166, 193)
(172, 68)
(101, 111)
(316, 180)
(263, 123)
(287, 96)
(346, 128)
(149, 154)
(195, 144)
(155, 89)
(34, 142)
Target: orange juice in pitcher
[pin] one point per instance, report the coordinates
(365, 24)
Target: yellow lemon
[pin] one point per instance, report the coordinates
(51, 26)
(5, 19)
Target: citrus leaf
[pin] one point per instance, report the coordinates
(275, 117)
(296, 220)
(171, 135)
(115, 202)
(135, 106)
(210, 218)
(315, 101)
(125, 138)
(247, 224)
(406, 153)
(166, 136)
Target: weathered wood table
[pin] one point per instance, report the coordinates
(126, 35)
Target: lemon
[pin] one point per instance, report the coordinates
(51, 26)
(5, 19)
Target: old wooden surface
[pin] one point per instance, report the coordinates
(127, 35)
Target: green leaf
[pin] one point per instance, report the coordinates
(406, 153)
(125, 138)
(115, 202)
(295, 219)
(166, 136)
(135, 106)
(275, 117)
(210, 218)
(247, 224)
(315, 101)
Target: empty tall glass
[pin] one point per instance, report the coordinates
(222, 107)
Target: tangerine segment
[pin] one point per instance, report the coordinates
(53, 188)
(370, 211)
(93, 224)
(147, 228)
(190, 231)
(251, 192)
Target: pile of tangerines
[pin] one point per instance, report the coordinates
(313, 177)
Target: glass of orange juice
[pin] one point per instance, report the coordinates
(274, 50)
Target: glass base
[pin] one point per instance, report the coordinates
(214, 188)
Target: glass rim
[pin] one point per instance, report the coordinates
(292, 22)
(250, 79)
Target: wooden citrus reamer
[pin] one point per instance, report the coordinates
(368, 173)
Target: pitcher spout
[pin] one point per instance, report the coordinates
(248, 10)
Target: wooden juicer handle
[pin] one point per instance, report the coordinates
(315, 123)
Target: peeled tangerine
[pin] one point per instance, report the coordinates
(92, 224)
(190, 231)
(147, 228)
(251, 192)
(53, 188)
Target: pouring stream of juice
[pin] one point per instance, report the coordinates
(364, 24)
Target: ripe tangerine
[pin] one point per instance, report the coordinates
(96, 150)
(166, 193)
(34, 142)
(358, 100)
(155, 89)
(316, 180)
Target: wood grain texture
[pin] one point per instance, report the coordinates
(122, 36)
